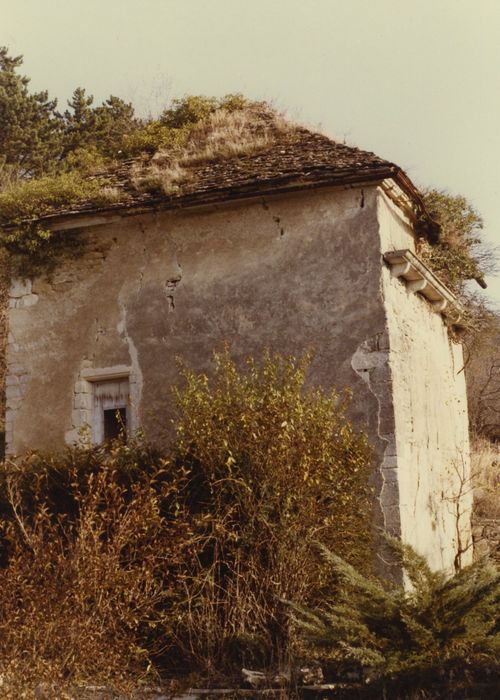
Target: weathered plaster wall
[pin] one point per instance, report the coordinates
(430, 412)
(290, 274)
(296, 273)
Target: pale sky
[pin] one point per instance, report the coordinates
(416, 82)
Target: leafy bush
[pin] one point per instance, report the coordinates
(193, 109)
(119, 559)
(21, 206)
(459, 254)
(151, 137)
(34, 198)
(439, 637)
(273, 468)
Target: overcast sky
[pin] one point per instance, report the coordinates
(416, 82)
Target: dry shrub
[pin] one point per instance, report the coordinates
(4, 305)
(225, 134)
(169, 179)
(118, 560)
(82, 592)
(485, 457)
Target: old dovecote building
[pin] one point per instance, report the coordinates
(304, 244)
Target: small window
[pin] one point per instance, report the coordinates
(115, 423)
(111, 401)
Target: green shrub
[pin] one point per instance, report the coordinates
(439, 637)
(32, 199)
(273, 468)
(151, 137)
(31, 244)
(459, 254)
(192, 109)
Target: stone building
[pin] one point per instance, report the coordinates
(306, 244)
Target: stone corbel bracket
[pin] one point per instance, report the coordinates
(419, 279)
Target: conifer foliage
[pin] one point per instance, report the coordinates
(438, 635)
(30, 135)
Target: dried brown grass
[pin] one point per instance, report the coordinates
(228, 134)
(486, 510)
(81, 593)
(224, 134)
(4, 305)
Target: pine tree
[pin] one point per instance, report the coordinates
(30, 127)
(101, 129)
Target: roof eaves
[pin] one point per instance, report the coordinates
(314, 177)
(251, 189)
(424, 222)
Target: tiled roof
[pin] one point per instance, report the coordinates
(295, 159)
(301, 157)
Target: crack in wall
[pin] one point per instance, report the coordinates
(142, 269)
(99, 330)
(173, 280)
(136, 377)
(276, 219)
(371, 364)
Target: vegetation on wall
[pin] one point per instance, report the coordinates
(459, 254)
(33, 246)
(52, 161)
(63, 149)
(119, 559)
